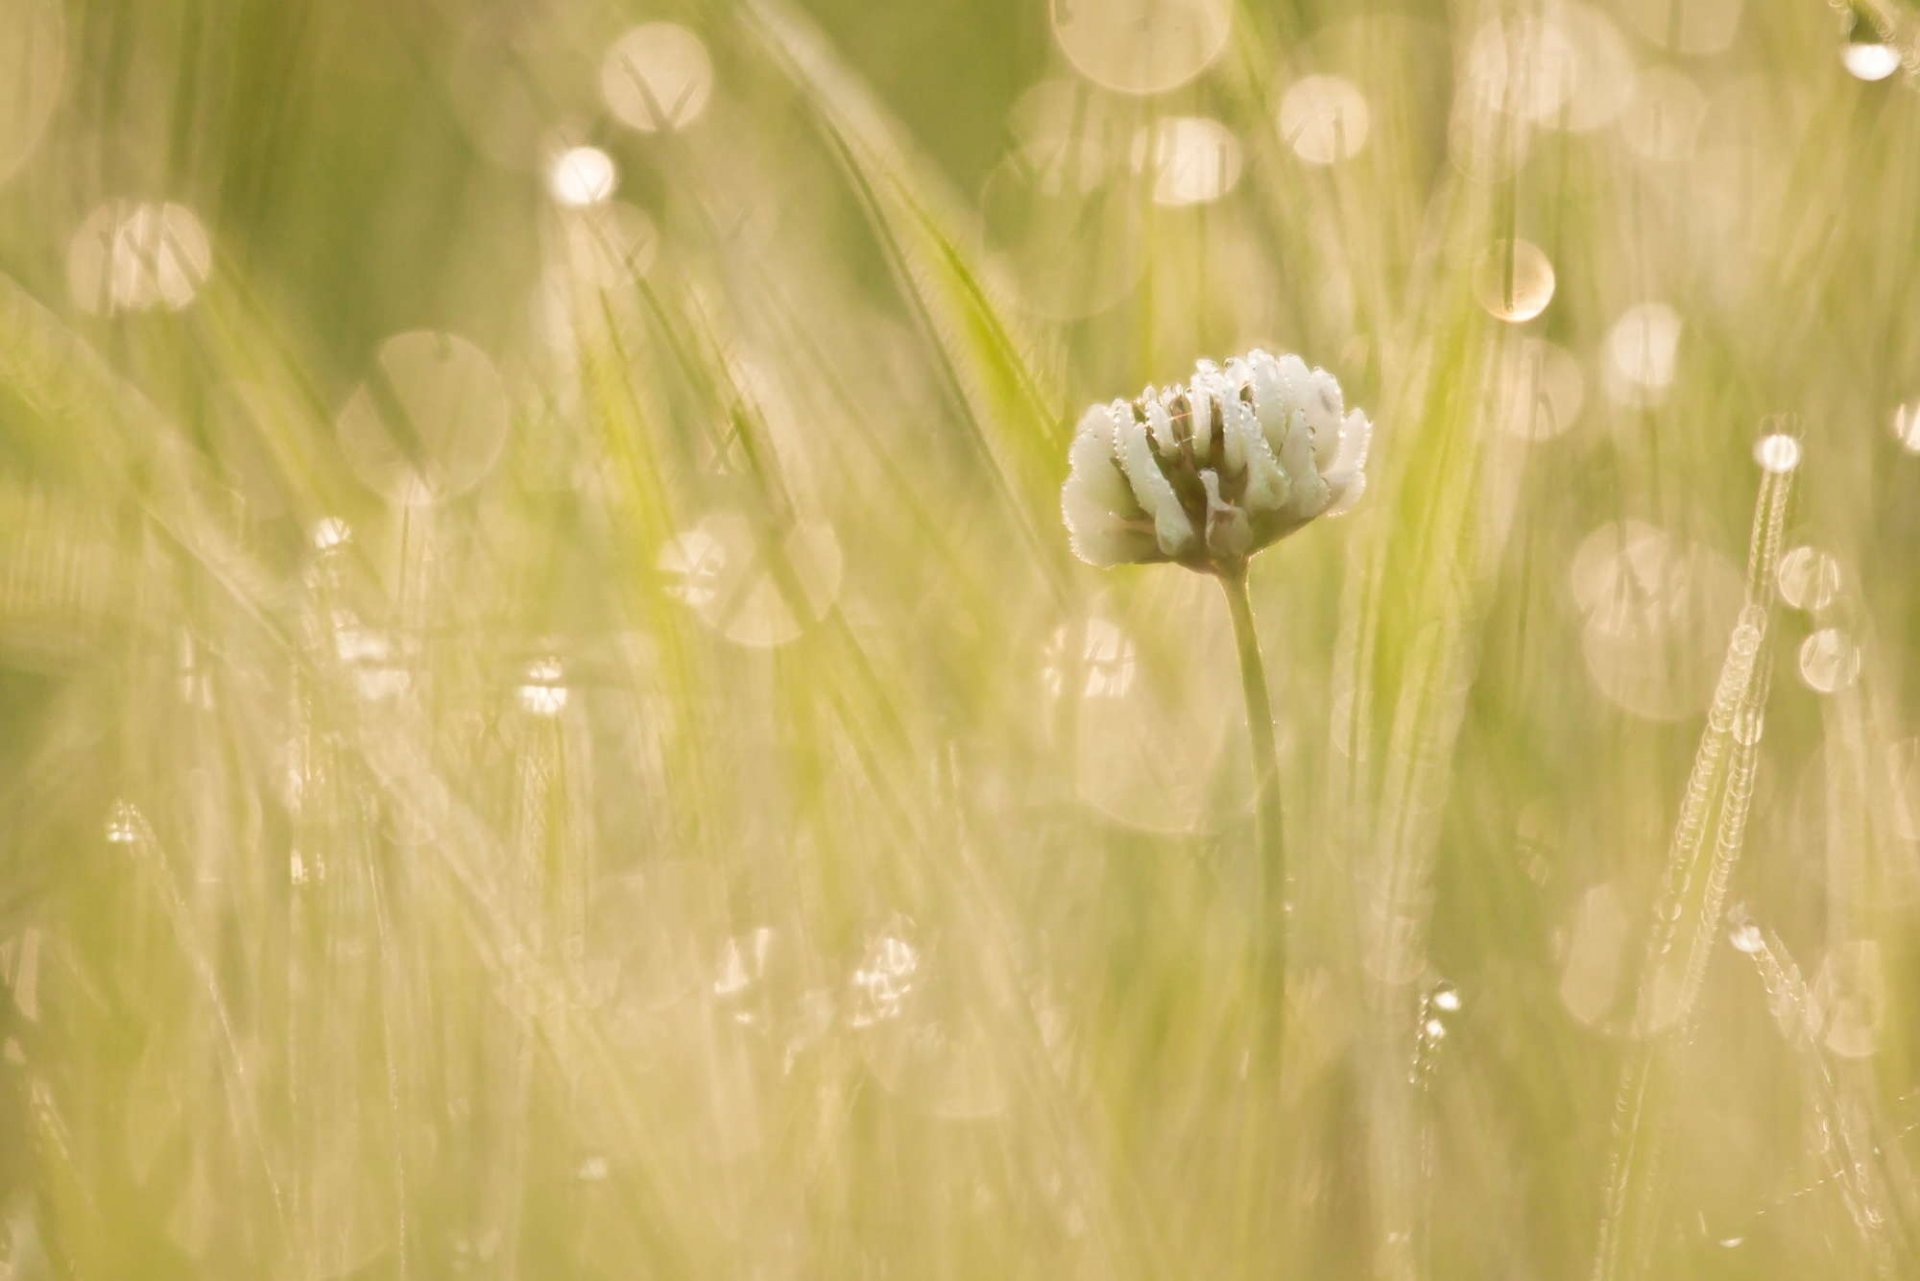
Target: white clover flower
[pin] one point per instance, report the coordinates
(1209, 473)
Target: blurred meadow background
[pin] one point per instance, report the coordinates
(549, 727)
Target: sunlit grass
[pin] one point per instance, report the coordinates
(551, 727)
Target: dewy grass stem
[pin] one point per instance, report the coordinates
(1272, 921)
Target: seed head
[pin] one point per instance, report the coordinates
(1208, 473)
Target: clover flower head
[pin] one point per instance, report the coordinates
(1207, 473)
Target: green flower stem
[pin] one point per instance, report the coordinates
(1272, 922)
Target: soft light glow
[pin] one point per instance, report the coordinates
(723, 569)
(657, 77)
(543, 691)
(582, 176)
(1193, 160)
(1539, 390)
(1809, 578)
(1778, 453)
(1324, 119)
(123, 823)
(138, 257)
(1663, 121)
(1098, 650)
(1643, 351)
(329, 533)
(1657, 610)
(1906, 426)
(1685, 26)
(1515, 281)
(1829, 661)
(1870, 61)
(430, 422)
(1141, 46)
(613, 244)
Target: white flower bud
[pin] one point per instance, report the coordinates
(1209, 473)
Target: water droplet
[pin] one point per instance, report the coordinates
(1642, 350)
(1906, 426)
(1746, 937)
(330, 533)
(124, 823)
(543, 691)
(430, 421)
(1866, 60)
(1193, 160)
(1808, 578)
(138, 257)
(1664, 120)
(1096, 648)
(1540, 390)
(657, 77)
(1849, 999)
(1778, 453)
(1141, 46)
(1434, 1029)
(1829, 660)
(1515, 281)
(1445, 996)
(582, 176)
(371, 656)
(1324, 119)
(884, 979)
(722, 569)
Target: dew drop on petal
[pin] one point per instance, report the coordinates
(1809, 578)
(657, 77)
(1515, 281)
(1829, 661)
(1746, 937)
(1324, 119)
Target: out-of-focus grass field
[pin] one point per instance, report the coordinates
(549, 729)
